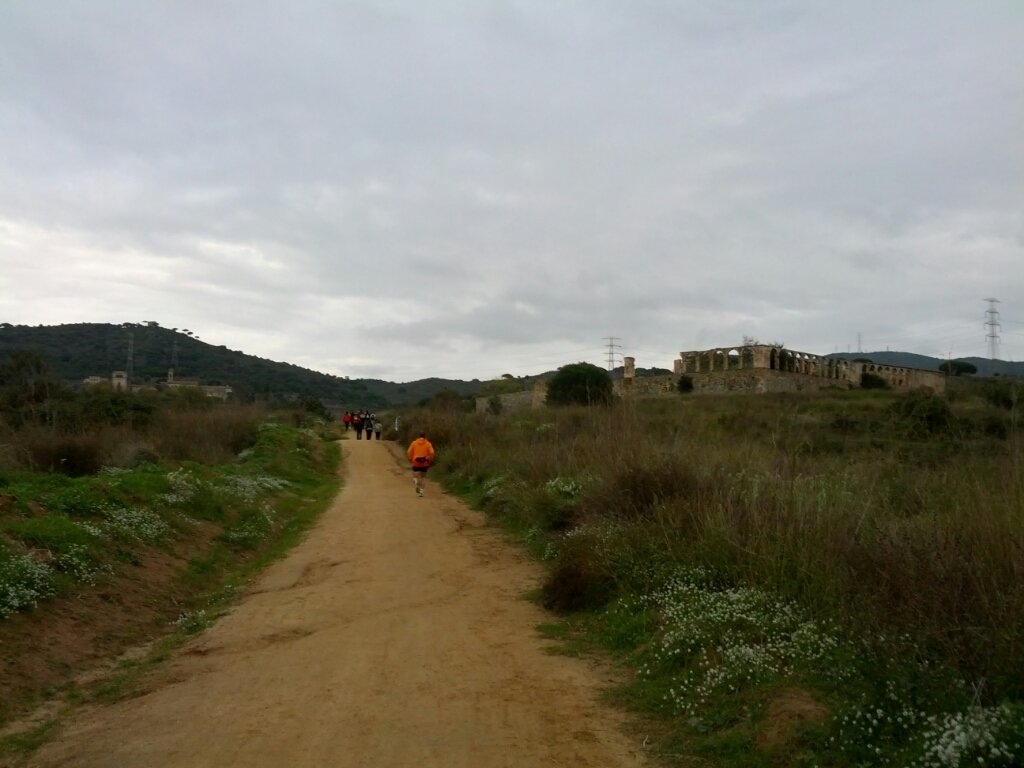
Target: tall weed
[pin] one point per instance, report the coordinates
(893, 513)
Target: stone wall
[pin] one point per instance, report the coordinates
(899, 377)
(517, 401)
(645, 385)
(762, 381)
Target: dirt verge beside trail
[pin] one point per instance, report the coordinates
(394, 636)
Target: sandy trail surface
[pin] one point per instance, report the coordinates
(394, 636)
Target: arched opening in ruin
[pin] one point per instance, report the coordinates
(733, 357)
(747, 357)
(719, 360)
(773, 359)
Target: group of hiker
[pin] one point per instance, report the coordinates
(362, 421)
(420, 451)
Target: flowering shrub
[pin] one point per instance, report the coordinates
(138, 523)
(77, 562)
(711, 640)
(565, 487)
(989, 736)
(253, 528)
(249, 488)
(93, 530)
(192, 622)
(184, 487)
(492, 486)
(24, 581)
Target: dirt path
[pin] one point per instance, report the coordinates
(394, 635)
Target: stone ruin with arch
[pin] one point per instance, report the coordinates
(746, 368)
(773, 368)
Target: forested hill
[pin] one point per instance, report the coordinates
(910, 360)
(78, 350)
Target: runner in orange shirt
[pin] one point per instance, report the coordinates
(421, 454)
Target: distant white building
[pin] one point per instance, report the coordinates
(219, 391)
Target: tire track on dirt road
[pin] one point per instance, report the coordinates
(393, 636)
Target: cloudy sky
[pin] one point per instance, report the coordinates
(469, 188)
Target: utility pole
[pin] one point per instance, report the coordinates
(992, 328)
(612, 346)
(859, 349)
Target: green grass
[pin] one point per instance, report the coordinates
(56, 533)
(28, 741)
(286, 481)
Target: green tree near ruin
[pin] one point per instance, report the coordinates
(958, 368)
(506, 385)
(580, 384)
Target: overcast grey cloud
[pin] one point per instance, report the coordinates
(400, 189)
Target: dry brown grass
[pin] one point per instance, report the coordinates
(895, 513)
(209, 435)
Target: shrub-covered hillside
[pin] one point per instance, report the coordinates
(77, 350)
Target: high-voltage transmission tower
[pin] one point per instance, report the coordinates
(612, 346)
(992, 328)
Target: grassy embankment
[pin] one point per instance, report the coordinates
(834, 579)
(147, 532)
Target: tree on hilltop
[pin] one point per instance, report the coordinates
(958, 368)
(580, 384)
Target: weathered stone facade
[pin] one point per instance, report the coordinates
(645, 385)
(536, 397)
(756, 368)
(767, 368)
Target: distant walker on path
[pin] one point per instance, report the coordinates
(421, 454)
